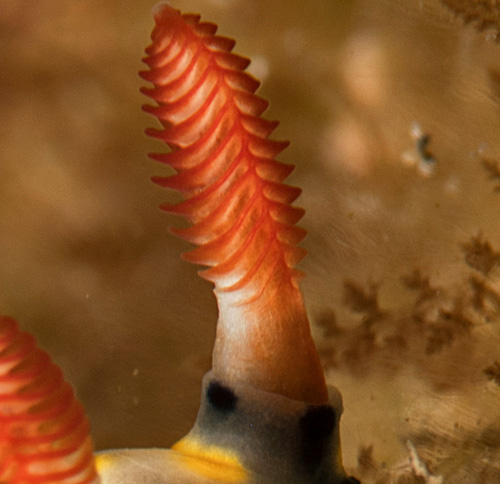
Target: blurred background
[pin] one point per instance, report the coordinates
(393, 111)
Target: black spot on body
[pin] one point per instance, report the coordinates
(316, 426)
(221, 398)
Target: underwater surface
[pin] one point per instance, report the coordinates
(393, 111)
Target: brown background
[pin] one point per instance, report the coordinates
(88, 265)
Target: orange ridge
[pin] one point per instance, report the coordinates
(234, 196)
(44, 433)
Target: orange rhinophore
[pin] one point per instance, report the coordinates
(44, 434)
(240, 210)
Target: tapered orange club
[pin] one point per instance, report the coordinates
(242, 218)
(44, 433)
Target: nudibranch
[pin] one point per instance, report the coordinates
(266, 413)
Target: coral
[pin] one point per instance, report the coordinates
(480, 256)
(484, 13)
(437, 318)
(493, 372)
(492, 167)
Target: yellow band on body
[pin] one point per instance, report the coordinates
(209, 461)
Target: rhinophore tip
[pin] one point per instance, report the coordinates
(160, 7)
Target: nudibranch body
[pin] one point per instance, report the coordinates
(266, 414)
